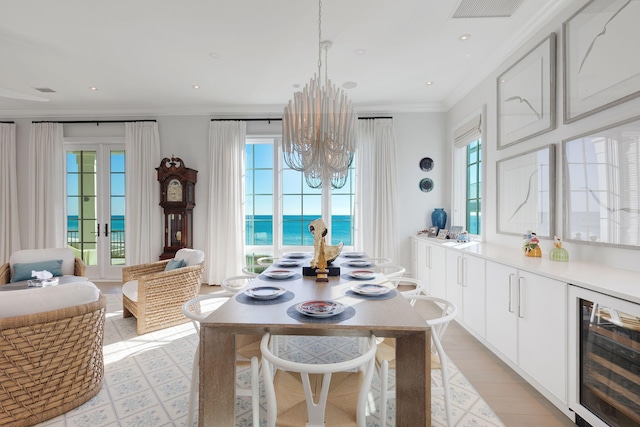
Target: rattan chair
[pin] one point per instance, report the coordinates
(155, 296)
(50, 362)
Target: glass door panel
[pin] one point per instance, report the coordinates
(95, 208)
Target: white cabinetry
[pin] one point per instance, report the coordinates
(466, 288)
(526, 322)
(428, 265)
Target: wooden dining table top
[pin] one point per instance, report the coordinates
(389, 317)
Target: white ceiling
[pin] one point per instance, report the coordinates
(144, 56)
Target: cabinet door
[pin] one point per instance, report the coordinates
(437, 277)
(421, 262)
(502, 325)
(473, 293)
(542, 329)
(453, 262)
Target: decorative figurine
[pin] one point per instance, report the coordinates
(323, 255)
(558, 253)
(463, 237)
(531, 247)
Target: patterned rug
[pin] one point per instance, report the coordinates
(147, 380)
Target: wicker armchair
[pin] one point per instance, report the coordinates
(155, 297)
(50, 362)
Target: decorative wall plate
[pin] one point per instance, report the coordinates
(426, 164)
(426, 184)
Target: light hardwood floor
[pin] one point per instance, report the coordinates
(516, 402)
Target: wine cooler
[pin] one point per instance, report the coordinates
(604, 368)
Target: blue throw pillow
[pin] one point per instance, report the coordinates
(23, 271)
(173, 264)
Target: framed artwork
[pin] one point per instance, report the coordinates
(455, 231)
(600, 69)
(526, 193)
(601, 186)
(527, 95)
(433, 232)
(442, 234)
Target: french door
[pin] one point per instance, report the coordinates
(95, 194)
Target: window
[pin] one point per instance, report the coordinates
(279, 205)
(467, 175)
(474, 185)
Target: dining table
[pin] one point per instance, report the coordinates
(385, 315)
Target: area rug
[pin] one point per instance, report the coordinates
(147, 380)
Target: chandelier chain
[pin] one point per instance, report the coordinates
(319, 36)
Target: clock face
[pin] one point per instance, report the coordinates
(174, 191)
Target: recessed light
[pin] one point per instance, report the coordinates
(93, 88)
(465, 37)
(214, 55)
(349, 85)
(361, 51)
(195, 87)
(429, 83)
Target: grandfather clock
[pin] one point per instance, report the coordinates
(177, 198)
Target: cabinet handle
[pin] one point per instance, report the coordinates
(464, 272)
(520, 280)
(511, 276)
(428, 257)
(106, 230)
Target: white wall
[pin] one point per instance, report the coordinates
(485, 94)
(418, 135)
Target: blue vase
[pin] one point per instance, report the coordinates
(439, 218)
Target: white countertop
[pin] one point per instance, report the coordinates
(617, 282)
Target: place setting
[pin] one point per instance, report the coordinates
(354, 255)
(296, 255)
(370, 290)
(279, 275)
(264, 295)
(321, 311)
(288, 263)
(359, 263)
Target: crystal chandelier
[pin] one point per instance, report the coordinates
(319, 127)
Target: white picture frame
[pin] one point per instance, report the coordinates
(601, 195)
(526, 193)
(526, 95)
(600, 67)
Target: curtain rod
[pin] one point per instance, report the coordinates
(97, 122)
(9, 123)
(279, 119)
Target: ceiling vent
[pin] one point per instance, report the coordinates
(44, 90)
(486, 8)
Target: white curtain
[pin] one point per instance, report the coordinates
(375, 206)
(45, 218)
(9, 220)
(225, 237)
(142, 211)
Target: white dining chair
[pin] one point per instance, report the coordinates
(247, 353)
(381, 261)
(392, 270)
(236, 284)
(407, 286)
(253, 269)
(386, 356)
(325, 394)
(266, 260)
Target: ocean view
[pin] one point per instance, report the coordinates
(259, 230)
